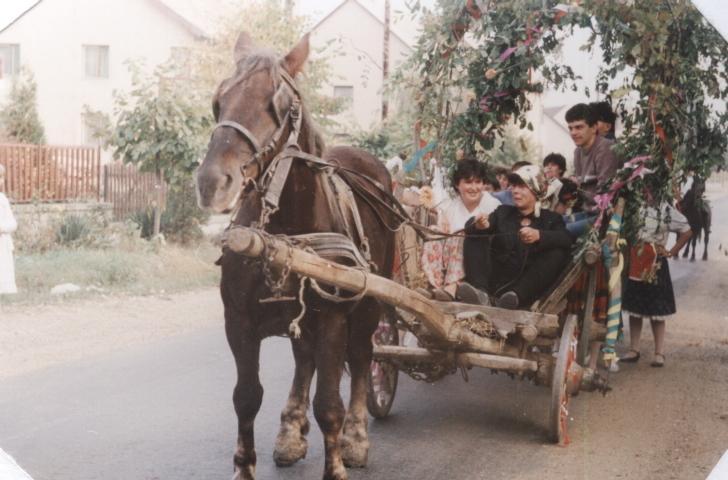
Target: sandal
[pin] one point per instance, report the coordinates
(630, 357)
(658, 361)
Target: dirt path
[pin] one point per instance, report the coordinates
(32, 338)
(669, 423)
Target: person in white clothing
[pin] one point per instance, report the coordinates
(442, 261)
(7, 227)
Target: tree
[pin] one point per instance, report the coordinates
(19, 119)
(273, 26)
(161, 127)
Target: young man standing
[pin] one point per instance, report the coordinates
(594, 161)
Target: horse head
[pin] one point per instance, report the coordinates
(256, 110)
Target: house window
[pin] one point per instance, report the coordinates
(9, 59)
(344, 91)
(97, 60)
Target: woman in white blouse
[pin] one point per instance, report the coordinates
(648, 291)
(7, 227)
(442, 261)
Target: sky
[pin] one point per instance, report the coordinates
(715, 10)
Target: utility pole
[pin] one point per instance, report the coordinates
(385, 61)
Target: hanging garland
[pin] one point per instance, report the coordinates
(477, 61)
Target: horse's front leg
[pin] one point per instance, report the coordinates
(248, 392)
(291, 444)
(355, 438)
(330, 353)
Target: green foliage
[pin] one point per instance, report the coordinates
(161, 125)
(671, 60)
(19, 119)
(138, 270)
(512, 147)
(181, 219)
(468, 91)
(72, 230)
(678, 75)
(271, 26)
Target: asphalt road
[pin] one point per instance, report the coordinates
(163, 411)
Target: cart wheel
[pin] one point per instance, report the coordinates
(584, 343)
(382, 379)
(559, 413)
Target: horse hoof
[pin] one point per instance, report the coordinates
(336, 474)
(289, 453)
(354, 454)
(244, 473)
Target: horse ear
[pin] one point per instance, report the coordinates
(293, 62)
(242, 46)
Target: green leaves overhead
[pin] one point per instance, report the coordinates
(663, 66)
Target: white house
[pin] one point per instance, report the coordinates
(77, 51)
(356, 33)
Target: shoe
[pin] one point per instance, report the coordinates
(508, 300)
(630, 357)
(658, 361)
(467, 293)
(441, 295)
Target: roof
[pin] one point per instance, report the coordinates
(554, 113)
(376, 16)
(178, 12)
(18, 10)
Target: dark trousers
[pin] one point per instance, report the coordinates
(542, 269)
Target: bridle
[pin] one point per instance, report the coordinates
(273, 161)
(262, 155)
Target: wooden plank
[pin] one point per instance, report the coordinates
(422, 355)
(443, 326)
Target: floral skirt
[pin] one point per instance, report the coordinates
(442, 261)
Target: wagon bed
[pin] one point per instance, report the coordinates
(546, 345)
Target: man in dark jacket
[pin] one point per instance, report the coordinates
(518, 251)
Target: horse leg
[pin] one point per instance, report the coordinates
(686, 250)
(291, 444)
(247, 397)
(693, 242)
(355, 438)
(706, 230)
(330, 353)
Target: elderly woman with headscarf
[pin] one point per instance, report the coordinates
(7, 227)
(517, 252)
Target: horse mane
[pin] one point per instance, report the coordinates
(267, 60)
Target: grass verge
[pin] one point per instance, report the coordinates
(147, 270)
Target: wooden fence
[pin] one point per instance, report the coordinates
(51, 173)
(129, 190)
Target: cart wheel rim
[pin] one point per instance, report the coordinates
(560, 398)
(383, 376)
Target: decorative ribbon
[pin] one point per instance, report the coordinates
(418, 156)
(615, 290)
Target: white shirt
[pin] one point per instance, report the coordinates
(7, 226)
(453, 213)
(657, 228)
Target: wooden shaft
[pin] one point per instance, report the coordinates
(250, 243)
(422, 355)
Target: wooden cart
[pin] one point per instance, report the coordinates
(545, 345)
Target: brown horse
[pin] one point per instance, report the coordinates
(696, 209)
(258, 102)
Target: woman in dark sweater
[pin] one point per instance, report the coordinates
(517, 252)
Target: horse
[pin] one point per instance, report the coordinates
(697, 210)
(262, 101)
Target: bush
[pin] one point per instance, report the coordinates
(73, 230)
(180, 221)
